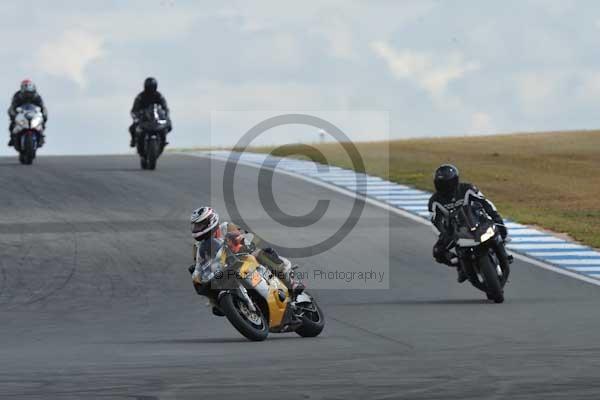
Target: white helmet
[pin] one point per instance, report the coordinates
(204, 221)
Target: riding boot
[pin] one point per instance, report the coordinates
(132, 133)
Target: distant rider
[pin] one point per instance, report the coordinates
(210, 236)
(145, 99)
(26, 95)
(450, 194)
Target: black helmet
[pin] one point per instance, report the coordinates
(150, 85)
(445, 179)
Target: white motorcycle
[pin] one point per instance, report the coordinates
(28, 130)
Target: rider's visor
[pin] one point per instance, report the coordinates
(201, 226)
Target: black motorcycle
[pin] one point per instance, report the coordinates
(480, 249)
(151, 132)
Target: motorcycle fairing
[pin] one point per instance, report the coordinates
(272, 290)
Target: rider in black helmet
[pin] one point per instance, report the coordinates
(451, 193)
(148, 97)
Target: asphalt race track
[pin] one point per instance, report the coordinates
(96, 301)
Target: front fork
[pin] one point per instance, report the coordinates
(242, 294)
(503, 257)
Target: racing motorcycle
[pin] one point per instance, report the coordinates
(151, 131)
(480, 250)
(254, 299)
(28, 130)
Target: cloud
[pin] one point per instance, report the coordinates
(588, 89)
(70, 54)
(481, 123)
(423, 69)
(538, 91)
(339, 37)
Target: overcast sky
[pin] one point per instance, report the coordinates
(435, 67)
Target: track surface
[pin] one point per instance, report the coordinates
(96, 302)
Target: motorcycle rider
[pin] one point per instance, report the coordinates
(149, 96)
(210, 236)
(451, 193)
(27, 94)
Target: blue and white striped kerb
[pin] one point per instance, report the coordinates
(525, 240)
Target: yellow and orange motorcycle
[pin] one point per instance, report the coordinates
(254, 299)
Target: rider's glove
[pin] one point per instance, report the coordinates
(503, 231)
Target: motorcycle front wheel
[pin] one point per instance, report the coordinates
(493, 286)
(253, 325)
(152, 154)
(28, 151)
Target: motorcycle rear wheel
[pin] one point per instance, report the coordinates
(313, 321)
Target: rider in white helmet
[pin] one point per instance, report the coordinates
(210, 235)
(27, 94)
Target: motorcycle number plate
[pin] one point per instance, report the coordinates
(255, 278)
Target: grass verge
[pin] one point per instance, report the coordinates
(547, 179)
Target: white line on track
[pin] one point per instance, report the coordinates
(591, 278)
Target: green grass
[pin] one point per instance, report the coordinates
(547, 179)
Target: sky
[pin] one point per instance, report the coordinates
(431, 68)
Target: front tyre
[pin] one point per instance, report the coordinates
(28, 150)
(152, 153)
(253, 325)
(494, 289)
(313, 320)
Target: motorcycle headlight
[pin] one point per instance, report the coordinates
(22, 122)
(487, 235)
(36, 122)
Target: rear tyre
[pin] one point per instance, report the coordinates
(143, 163)
(313, 320)
(490, 276)
(253, 326)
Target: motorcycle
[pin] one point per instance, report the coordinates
(28, 130)
(151, 131)
(480, 250)
(253, 299)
